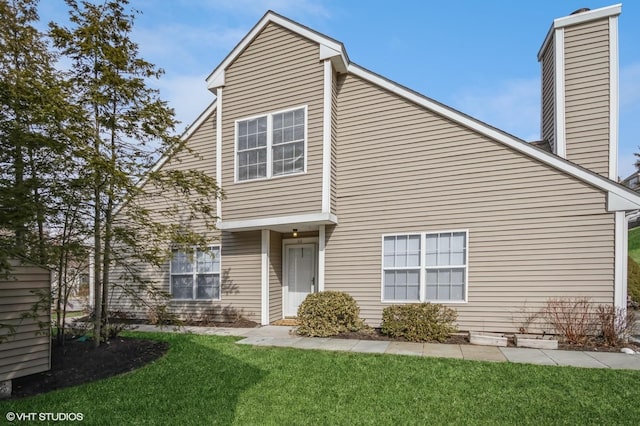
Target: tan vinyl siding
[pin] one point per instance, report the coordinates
(275, 277)
(548, 95)
(278, 70)
(533, 232)
(202, 143)
(587, 95)
(241, 273)
(27, 350)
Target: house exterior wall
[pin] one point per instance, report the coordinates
(587, 103)
(278, 70)
(28, 349)
(237, 297)
(241, 275)
(548, 96)
(533, 232)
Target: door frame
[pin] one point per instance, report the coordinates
(289, 242)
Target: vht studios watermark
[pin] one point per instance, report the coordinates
(44, 417)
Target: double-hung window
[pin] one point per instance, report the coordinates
(195, 275)
(271, 145)
(425, 267)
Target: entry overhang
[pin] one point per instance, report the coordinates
(302, 222)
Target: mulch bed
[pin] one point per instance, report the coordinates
(79, 362)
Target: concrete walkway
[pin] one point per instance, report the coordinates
(282, 336)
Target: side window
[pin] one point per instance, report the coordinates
(196, 275)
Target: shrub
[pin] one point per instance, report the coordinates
(419, 322)
(633, 281)
(328, 313)
(571, 318)
(615, 324)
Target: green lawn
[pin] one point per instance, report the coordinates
(211, 380)
(634, 244)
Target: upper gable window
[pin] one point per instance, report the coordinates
(271, 145)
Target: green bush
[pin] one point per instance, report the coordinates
(633, 280)
(419, 322)
(328, 313)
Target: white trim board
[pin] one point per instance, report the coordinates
(311, 219)
(264, 280)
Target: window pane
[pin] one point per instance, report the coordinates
(432, 292)
(242, 143)
(389, 285)
(242, 173)
(262, 170)
(288, 119)
(208, 287)
(262, 124)
(456, 292)
(252, 127)
(457, 241)
(262, 139)
(287, 134)
(389, 245)
(182, 286)
(277, 121)
(444, 276)
(444, 292)
(457, 276)
(278, 167)
(299, 117)
(298, 133)
(208, 262)
(277, 136)
(180, 263)
(242, 128)
(445, 242)
(457, 258)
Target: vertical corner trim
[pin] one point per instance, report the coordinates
(613, 97)
(326, 137)
(219, 150)
(321, 247)
(560, 127)
(264, 287)
(620, 272)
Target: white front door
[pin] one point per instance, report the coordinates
(300, 267)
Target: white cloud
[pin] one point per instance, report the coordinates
(512, 106)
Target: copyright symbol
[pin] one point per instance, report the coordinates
(11, 416)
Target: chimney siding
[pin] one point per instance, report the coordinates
(579, 89)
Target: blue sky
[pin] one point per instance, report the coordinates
(476, 56)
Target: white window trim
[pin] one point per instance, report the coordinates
(269, 146)
(195, 274)
(423, 268)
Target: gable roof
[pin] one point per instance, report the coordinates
(619, 197)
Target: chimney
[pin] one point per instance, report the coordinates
(579, 65)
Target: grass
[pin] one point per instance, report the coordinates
(634, 244)
(211, 380)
